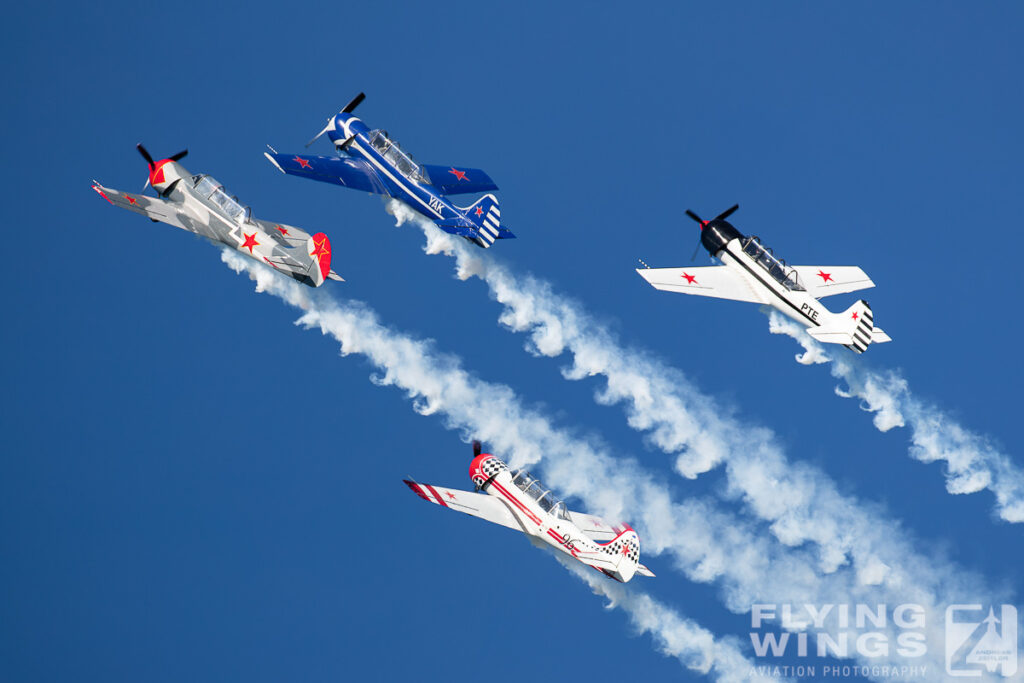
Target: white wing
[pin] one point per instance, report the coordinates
(822, 281)
(477, 504)
(592, 526)
(720, 282)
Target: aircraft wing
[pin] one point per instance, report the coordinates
(458, 179)
(720, 282)
(347, 172)
(477, 504)
(285, 235)
(152, 207)
(822, 281)
(592, 526)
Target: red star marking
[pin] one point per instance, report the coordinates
(625, 549)
(131, 199)
(690, 279)
(320, 248)
(461, 175)
(854, 315)
(825, 277)
(451, 496)
(595, 522)
(302, 162)
(283, 231)
(479, 211)
(250, 242)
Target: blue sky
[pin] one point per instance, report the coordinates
(194, 487)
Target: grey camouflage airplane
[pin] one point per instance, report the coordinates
(199, 204)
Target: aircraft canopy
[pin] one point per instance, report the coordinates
(208, 187)
(394, 154)
(777, 268)
(529, 485)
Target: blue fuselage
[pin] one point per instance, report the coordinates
(416, 193)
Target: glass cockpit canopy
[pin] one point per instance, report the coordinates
(397, 157)
(777, 268)
(208, 187)
(529, 485)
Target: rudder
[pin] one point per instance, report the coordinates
(486, 216)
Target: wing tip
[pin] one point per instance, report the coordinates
(100, 189)
(273, 160)
(417, 489)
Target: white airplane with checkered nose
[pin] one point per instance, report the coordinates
(752, 273)
(518, 501)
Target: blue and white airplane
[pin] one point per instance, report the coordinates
(370, 161)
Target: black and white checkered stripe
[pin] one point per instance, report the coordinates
(862, 334)
(488, 232)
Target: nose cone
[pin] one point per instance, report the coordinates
(476, 468)
(342, 129)
(714, 235)
(483, 467)
(165, 172)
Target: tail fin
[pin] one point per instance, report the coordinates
(854, 328)
(624, 553)
(486, 216)
(319, 249)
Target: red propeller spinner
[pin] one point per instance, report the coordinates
(156, 168)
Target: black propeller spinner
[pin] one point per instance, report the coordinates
(703, 224)
(152, 164)
(477, 448)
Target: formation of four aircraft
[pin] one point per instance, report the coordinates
(369, 160)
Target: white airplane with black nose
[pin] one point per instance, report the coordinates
(517, 500)
(752, 273)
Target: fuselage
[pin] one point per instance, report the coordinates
(399, 172)
(547, 519)
(778, 283)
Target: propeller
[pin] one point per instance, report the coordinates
(347, 109)
(152, 164)
(354, 103)
(703, 223)
(477, 448)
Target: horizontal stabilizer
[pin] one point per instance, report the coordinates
(458, 226)
(828, 335)
(644, 571)
(854, 328)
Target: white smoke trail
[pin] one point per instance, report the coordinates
(705, 543)
(438, 385)
(801, 502)
(973, 463)
(694, 646)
